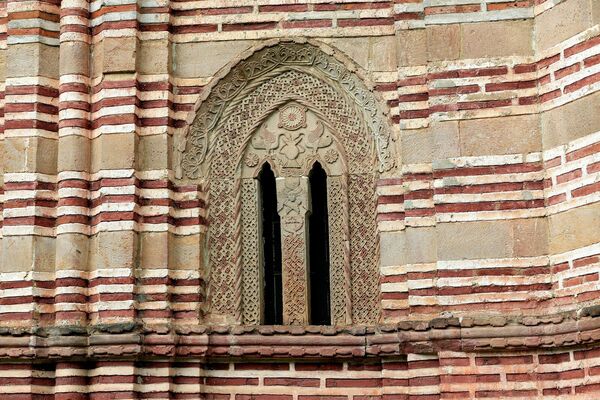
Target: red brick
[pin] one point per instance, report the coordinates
(582, 83)
(503, 360)
(303, 382)
(308, 23)
(341, 382)
(283, 8)
(554, 358)
(571, 69)
(349, 22)
(568, 176)
(251, 26)
(586, 190)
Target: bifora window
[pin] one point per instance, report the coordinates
(289, 139)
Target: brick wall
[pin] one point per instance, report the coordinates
(490, 245)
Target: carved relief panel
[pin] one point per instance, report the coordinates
(291, 140)
(290, 105)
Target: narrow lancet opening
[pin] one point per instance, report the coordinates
(319, 248)
(271, 239)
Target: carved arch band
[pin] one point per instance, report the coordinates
(291, 105)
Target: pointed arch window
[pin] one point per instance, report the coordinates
(318, 243)
(271, 248)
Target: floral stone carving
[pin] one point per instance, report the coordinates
(245, 122)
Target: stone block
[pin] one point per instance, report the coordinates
(30, 154)
(74, 153)
(392, 248)
(530, 237)
(116, 249)
(3, 65)
(184, 252)
(72, 251)
(74, 58)
(417, 146)
(113, 151)
(153, 152)
(500, 135)
(357, 49)
(474, 240)
(571, 121)
(383, 54)
(119, 54)
(411, 47)
(496, 39)
(154, 250)
(446, 140)
(198, 60)
(575, 228)
(595, 12)
(561, 22)
(153, 57)
(27, 253)
(443, 42)
(421, 245)
(32, 59)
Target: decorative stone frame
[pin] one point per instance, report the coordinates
(225, 148)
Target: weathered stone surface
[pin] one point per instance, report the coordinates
(501, 135)
(496, 39)
(570, 121)
(443, 42)
(552, 27)
(575, 228)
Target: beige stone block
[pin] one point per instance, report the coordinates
(74, 58)
(153, 152)
(392, 248)
(97, 59)
(72, 252)
(153, 57)
(411, 47)
(356, 48)
(184, 252)
(74, 153)
(562, 22)
(417, 146)
(595, 12)
(446, 140)
(421, 245)
(154, 250)
(383, 54)
(32, 59)
(195, 60)
(30, 154)
(474, 240)
(113, 151)
(530, 237)
(574, 228)
(28, 253)
(496, 39)
(443, 42)
(500, 135)
(3, 65)
(571, 121)
(119, 54)
(115, 249)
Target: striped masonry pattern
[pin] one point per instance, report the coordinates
(101, 294)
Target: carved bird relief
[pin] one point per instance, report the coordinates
(317, 138)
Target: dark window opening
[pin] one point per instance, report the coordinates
(271, 235)
(318, 237)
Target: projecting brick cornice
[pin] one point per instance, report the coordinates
(268, 342)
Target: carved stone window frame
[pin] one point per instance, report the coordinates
(215, 154)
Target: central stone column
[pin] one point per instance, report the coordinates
(293, 205)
